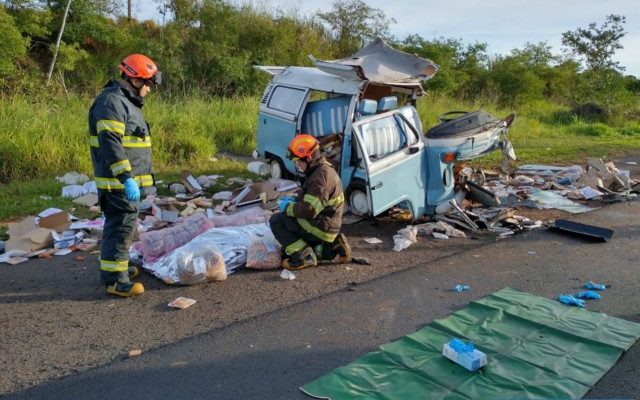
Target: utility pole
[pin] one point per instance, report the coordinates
(129, 9)
(55, 53)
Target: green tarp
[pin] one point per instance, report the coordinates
(537, 348)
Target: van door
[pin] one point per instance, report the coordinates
(393, 157)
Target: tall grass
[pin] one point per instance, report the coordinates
(545, 132)
(43, 137)
(40, 138)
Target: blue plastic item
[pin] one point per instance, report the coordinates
(588, 294)
(464, 354)
(570, 300)
(284, 202)
(594, 286)
(132, 190)
(460, 288)
(460, 346)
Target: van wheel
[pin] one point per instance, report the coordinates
(276, 169)
(359, 199)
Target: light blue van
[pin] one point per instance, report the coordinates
(376, 144)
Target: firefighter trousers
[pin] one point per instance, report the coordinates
(120, 221)
(294, 238)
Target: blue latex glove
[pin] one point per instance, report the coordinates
(284, 202)
(461, 347)
(569, 299)
(460, 288)
(597, 286)
(132, 190)
(588, 294)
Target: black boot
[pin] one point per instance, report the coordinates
(301, 259)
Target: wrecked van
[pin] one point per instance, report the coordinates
(362, 110)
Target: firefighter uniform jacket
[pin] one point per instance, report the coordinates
(119, 138)
(320, 203)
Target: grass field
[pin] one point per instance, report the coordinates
(42, 138)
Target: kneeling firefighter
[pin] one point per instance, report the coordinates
(308, 228)
(120, 145)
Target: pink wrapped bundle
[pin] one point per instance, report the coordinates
(155, 244)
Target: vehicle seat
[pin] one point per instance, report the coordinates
(325, 117)
(383, 136)
(387, 103)
(367, 107)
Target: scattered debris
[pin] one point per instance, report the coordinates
(258, 167)
(181, 303)
(583, 230)
(404, 238)
(594, 286)
(588, 294)
(461, 288)
(373, 240)
(286, 274)
(72, 178)
(361, 260)
(570, 300)
(135, 353)
(17, 260)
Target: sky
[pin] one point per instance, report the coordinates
(502, 24)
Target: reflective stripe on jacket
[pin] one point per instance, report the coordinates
(119, 138)
(320, 203)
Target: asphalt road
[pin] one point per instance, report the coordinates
(256, 336)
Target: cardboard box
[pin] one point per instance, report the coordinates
(27, 237)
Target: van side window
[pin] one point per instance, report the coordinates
(287, 99)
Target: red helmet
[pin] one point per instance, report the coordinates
(140, 66)
(303, 146)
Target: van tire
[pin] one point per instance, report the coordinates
(277, 169)
(358, 199)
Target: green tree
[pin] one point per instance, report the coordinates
(353, 23)
(596, 45)
(12, 46)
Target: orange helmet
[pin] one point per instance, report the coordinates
(302, 146)
(140, 66)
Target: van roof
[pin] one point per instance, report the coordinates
(376, 63)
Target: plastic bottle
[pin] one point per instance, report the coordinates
(460, 288)
(594, 286)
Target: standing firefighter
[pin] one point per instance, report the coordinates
(120, 144)
(309, 228)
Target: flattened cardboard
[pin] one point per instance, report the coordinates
(59, 222)
(254, 193)
(27, 237)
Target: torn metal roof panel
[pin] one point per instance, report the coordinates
(380, 63)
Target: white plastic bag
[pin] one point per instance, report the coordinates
(264, 252)
(191, 265)
(232, 243)
(404, 238)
